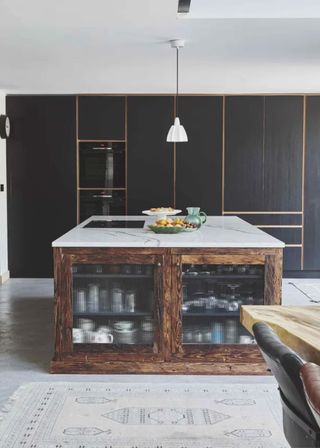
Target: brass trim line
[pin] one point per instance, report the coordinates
(126, 151)
(174, 157)
(101, 141)
(200, 94)
(101, 188)
(262, 213)
(280, 226)
(303, 175)
(223, 152)
(77, 159)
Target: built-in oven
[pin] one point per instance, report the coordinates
(102, 202)
(102, 165)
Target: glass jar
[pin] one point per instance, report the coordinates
(130, 301)
(80, 302)
(93, 298)
(117, 300)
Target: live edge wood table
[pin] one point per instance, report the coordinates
(297, 326)
(131, 301)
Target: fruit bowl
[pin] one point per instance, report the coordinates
(164, 229)
(168, 225)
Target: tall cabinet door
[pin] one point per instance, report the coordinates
(282, 179)
(150, 158)
(312, 186)
(41, 179)
(243, 167)
(101, 117)
(198, 161)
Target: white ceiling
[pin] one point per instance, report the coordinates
(76, 46)
(254, 9)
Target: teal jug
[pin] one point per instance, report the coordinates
(195, 217)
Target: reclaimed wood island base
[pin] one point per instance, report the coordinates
(162, 301)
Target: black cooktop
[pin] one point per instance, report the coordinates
(112, 224)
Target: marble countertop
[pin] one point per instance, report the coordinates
(219, 231)
(297, 326)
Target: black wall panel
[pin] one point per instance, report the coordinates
(283, 149)
(292, 259)
(101, 117)
(243, 153)
(41, 158)
(150, 157)
(198, 161)
(312, 186)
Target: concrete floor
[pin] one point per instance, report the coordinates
(26, 338)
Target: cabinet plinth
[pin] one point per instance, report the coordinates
(160, 310)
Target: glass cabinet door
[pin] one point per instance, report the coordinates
(113, 305)
(211, 299)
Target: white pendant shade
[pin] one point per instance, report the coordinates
(177, 132)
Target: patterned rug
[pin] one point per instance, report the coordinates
(102, 415)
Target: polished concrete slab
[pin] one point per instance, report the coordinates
(26, 338)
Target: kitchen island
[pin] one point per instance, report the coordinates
(128, 300)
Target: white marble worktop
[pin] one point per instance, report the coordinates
(218, 231)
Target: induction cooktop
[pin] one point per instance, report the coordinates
(114, 224)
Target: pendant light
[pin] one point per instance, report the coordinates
(177, 132)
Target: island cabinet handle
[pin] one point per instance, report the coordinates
(159, 264)
(177, 264)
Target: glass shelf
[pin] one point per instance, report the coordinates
(111, 307)
(110, 314)
(212, 314)
(214, 277)
(114, 276)
(212, 297)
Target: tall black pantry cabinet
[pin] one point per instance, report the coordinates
(263, 167)
(312, 186)
(41, 166)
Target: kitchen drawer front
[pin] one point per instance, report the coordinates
(273, 219)
(287, 235)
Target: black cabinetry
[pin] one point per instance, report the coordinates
(150, 158)
(312, 186)
(245, 156)
(198, 161)
(41, 157)
(101, 117)
(243, 167)
(263, 166)
(101, 145)
(263, 153)
(283, 152)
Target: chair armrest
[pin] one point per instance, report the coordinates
(310, 376)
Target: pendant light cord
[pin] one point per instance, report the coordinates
(177, 82)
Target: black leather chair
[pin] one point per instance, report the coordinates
(299, 425)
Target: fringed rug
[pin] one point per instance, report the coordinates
(102, 415)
